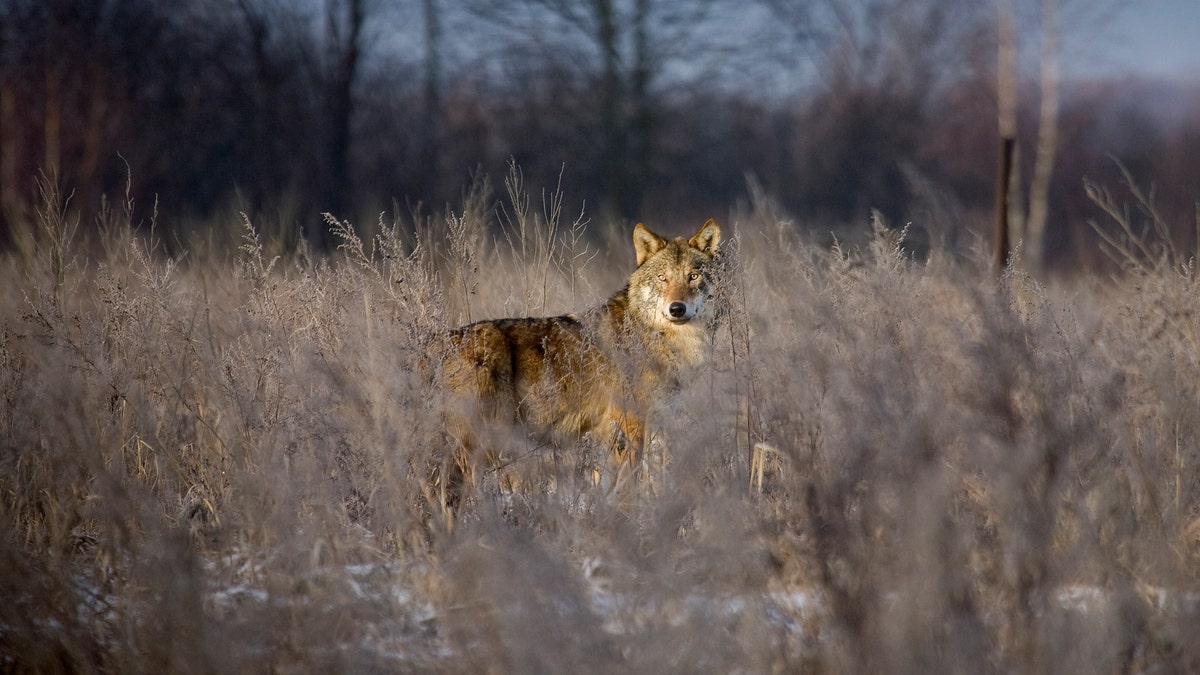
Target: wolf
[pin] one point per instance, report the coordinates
(596, 375)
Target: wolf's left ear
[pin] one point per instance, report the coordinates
(708, 238)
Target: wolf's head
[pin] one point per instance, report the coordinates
(675, 278)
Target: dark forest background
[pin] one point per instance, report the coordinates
(641, 109)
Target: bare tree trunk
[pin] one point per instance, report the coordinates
(1006, 96)
(264, 105)
(432, 105)
(345, 20)
(610, 106)
(52, 118)
(1003, 202)
(642, 128)
(1047, 142)
(9, 150)
(95, 133)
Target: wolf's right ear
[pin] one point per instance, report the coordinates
(646, 243)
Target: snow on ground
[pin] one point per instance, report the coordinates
(403, 622)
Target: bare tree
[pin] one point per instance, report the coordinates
(1047, 136)
(630, 49)
(260, 21)
(68, 80)
(880, 67)
(1052, 19)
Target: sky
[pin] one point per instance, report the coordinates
(1153, 38)
(1102, 39)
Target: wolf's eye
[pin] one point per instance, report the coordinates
(693, 276)
(662, 277)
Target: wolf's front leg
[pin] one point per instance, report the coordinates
(627, 433)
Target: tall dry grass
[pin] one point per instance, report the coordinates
(218, 462)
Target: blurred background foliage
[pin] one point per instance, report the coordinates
(659, 110)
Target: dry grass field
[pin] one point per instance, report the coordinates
(214, 458)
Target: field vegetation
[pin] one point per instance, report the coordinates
(215, 452)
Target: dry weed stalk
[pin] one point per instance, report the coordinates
(1147, 247)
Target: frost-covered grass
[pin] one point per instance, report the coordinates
(219, 461)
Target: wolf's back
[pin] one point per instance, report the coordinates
(543, 370)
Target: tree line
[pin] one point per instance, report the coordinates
(642, 109)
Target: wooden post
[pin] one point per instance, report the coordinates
(1003, 179)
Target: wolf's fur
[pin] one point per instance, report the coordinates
(597, 374)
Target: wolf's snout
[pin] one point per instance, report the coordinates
(677, 310)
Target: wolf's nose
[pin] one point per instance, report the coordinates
(677, 310)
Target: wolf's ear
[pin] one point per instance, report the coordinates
(646, 243)
(708, 238)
